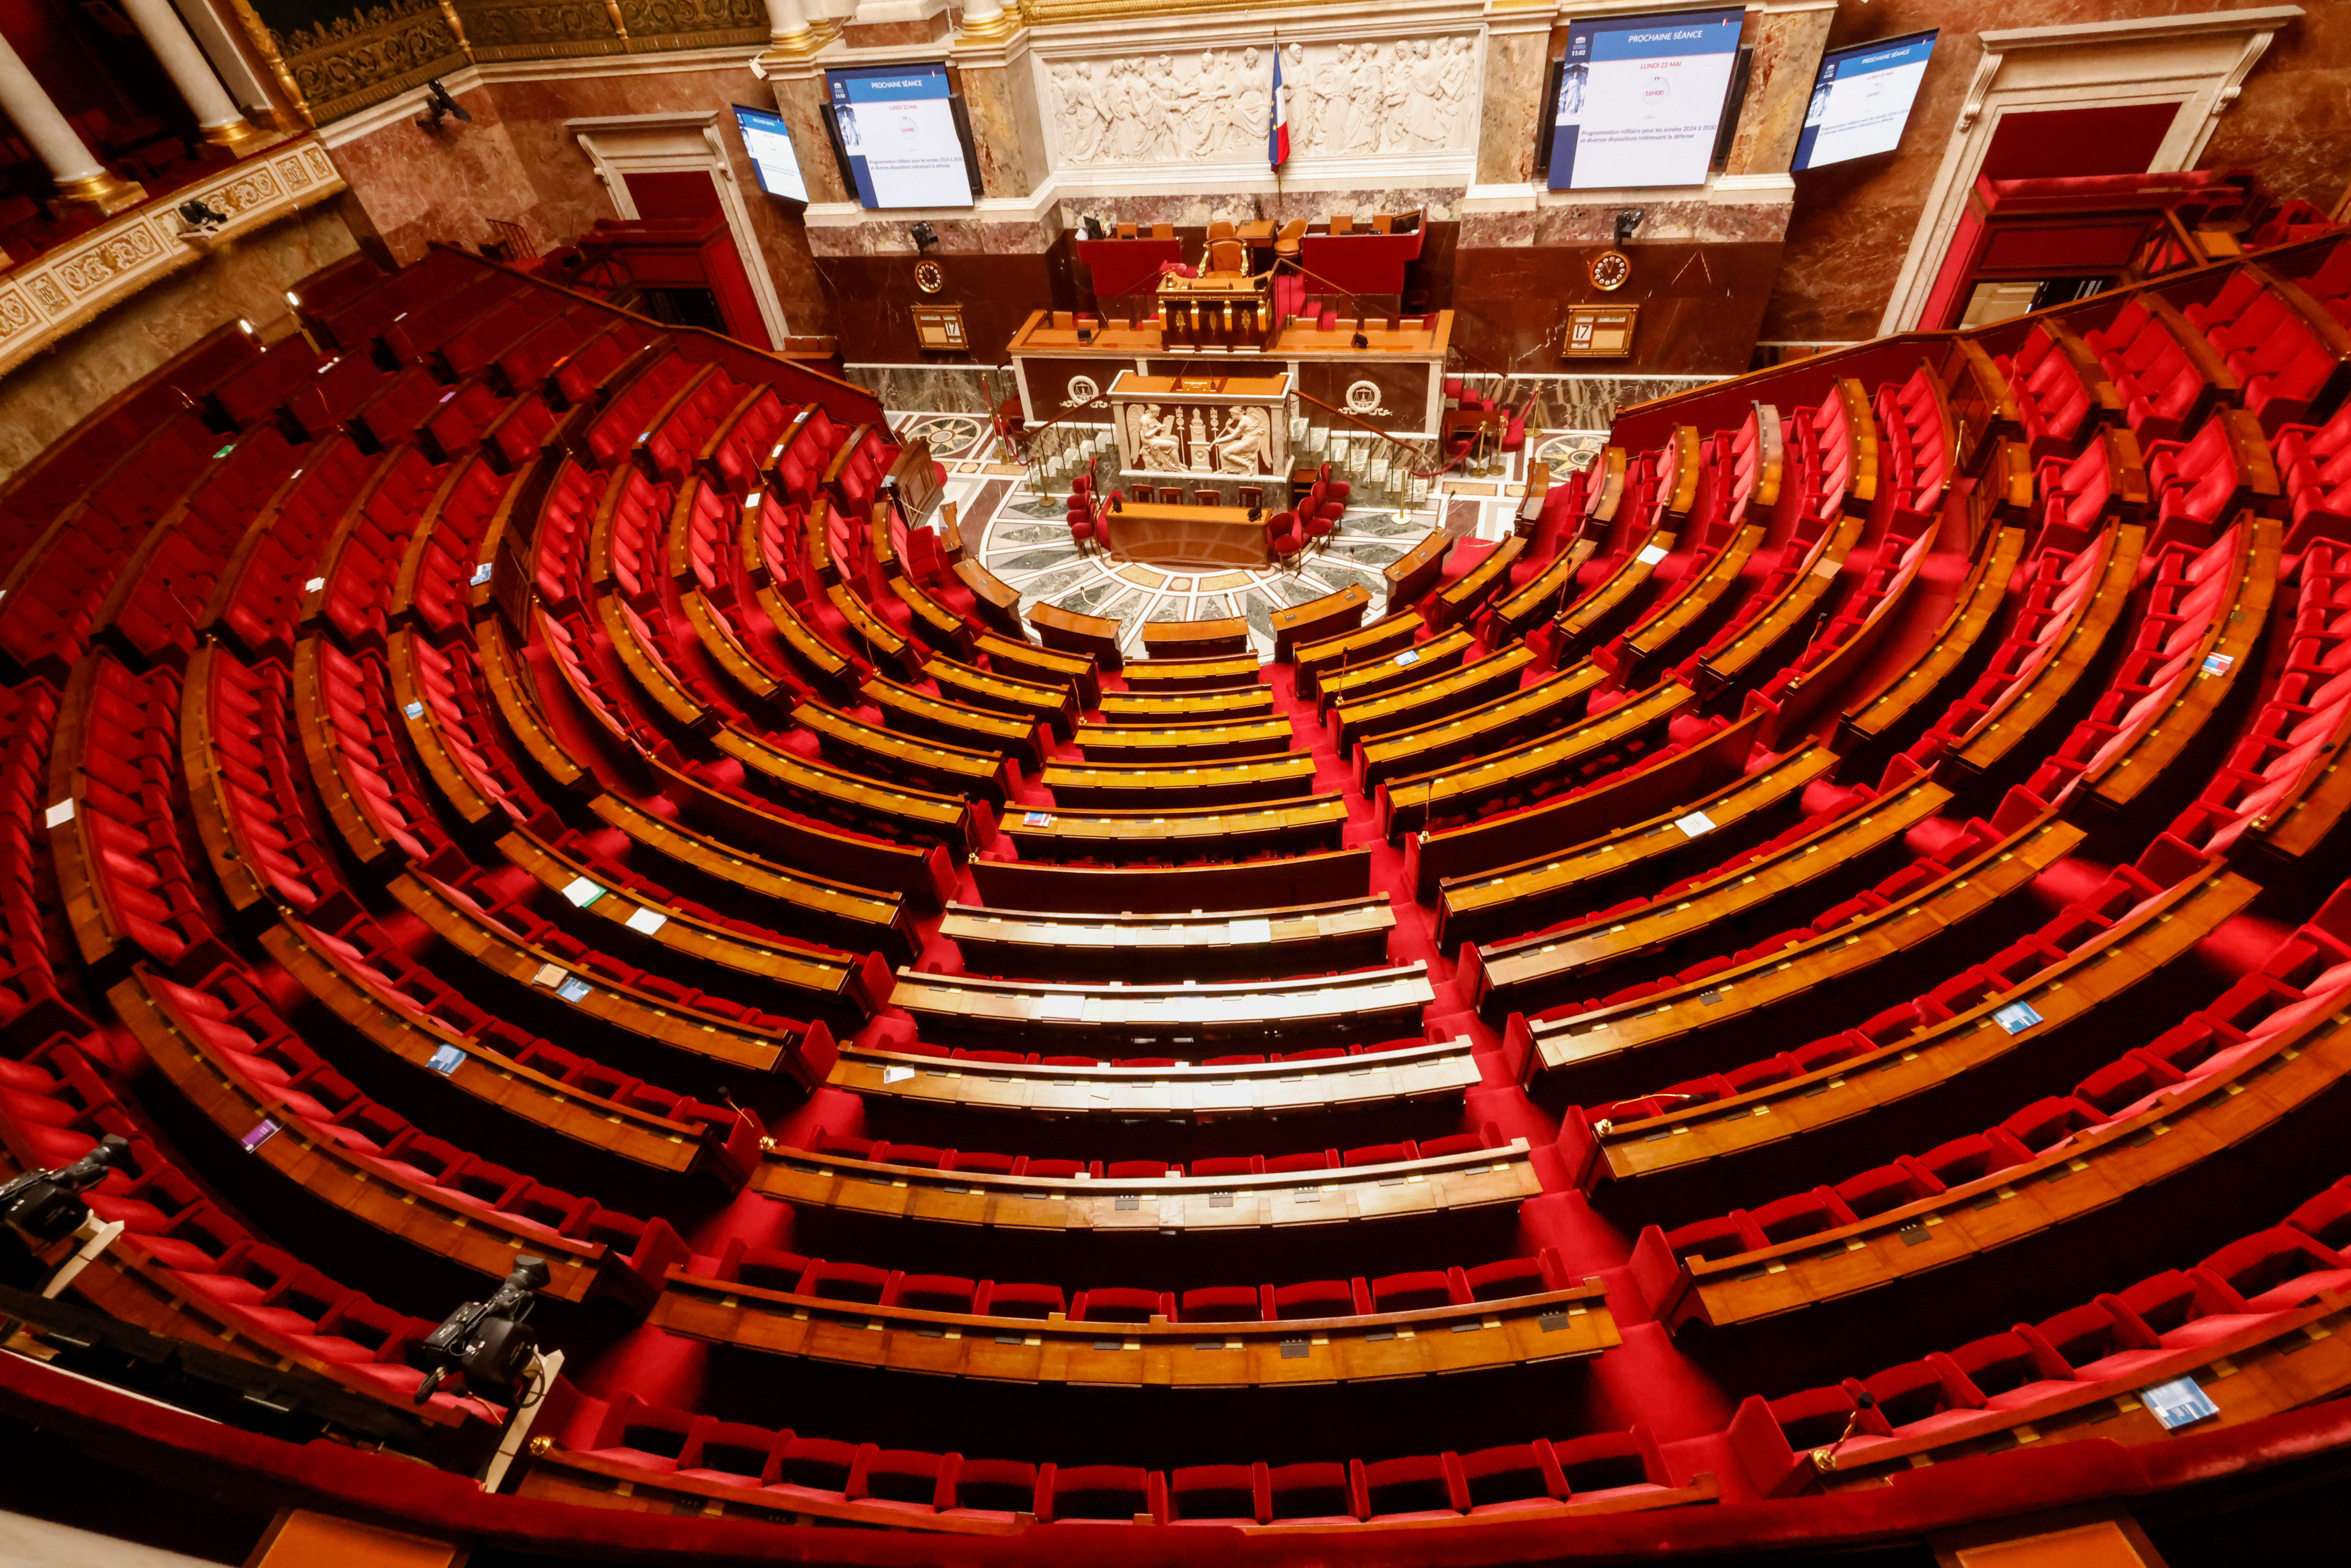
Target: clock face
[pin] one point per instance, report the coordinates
(928, 278)
(1611, 269)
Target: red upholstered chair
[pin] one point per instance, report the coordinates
(1283, 537)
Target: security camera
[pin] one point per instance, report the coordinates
(1627, 221)
(923, 237)
(47, 1205)
(198, 216)
(439, 106)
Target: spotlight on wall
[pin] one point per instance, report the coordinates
(200, 218)
(439, 106)
(1627, 220)
(923, 235)
(47, 1205)
(486, 1344)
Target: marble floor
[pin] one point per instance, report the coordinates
(1018, 534)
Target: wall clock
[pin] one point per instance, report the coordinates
(928, 278)
(1611, 270)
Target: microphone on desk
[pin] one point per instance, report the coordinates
(1825, 1459)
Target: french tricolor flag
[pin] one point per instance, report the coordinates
(1277, 135)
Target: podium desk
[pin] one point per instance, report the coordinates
(1318, 618)
(1199, 537)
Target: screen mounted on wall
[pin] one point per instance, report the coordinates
(898, 136)
(1640, 98)
(768, 140)
(1861, 99)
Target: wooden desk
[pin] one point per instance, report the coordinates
(1195, 675)
(1309, 661)
(1318, 618)
(1187, 707)
(1195, 639)
(1533, 893)
(1523, 974)
(1460, 600)
(996, 601)
(1208, 784)
(1219, 832)
(1557, 702)
(881, 1188)
(1215, 741)
(1109, 889)
(1367, 677)
(1023, 659)
(1412, 802)
(1248, 944)
(1110, 1095)
(933, 623)
(919, 712)
(1432, 698)
(1071, 632)
(1187, 536)
(1364, 1005)
(336, 977)
(1551, 1326)
(933, 766)
(1412, 574)
(1056, 706)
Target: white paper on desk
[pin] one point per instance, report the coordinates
(1409, 656)
(1694, 824)
(647, 921)
(1651, 556)
(1066, 1008)
(1240, 931)
(58, 815)
(414, 710)
(896, 1074)
(550, 976)
(315, 584)
(582, 892)
(481, 574)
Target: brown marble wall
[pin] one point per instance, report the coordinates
(1700, 303)
(1515, 67)
(1003, 153)
(872, 297)
(800, 100)
(1853, 222)
(46, 396)
(1787, 47)
(416, 186)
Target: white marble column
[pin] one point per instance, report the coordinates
(786, 21)
(79, 176)
(986, 19)
(217, 115)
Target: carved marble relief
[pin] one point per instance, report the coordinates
(1346, 100)
(1236, 440)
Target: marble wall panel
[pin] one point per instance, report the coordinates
(1700, 304)
(1004, 161)
(1786, 60)
(417, 185)
(1515, 65)
(933, 389)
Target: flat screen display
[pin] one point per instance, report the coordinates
(898, 130)
(768, 140)
(1640, 99)
(1862, 98)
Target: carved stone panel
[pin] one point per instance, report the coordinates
(1369, 101)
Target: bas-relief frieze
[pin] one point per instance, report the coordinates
(1346, 100)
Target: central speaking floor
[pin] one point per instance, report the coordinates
(1018, 534)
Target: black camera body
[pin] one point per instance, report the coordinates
(486, 1344)
(46, 1206)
